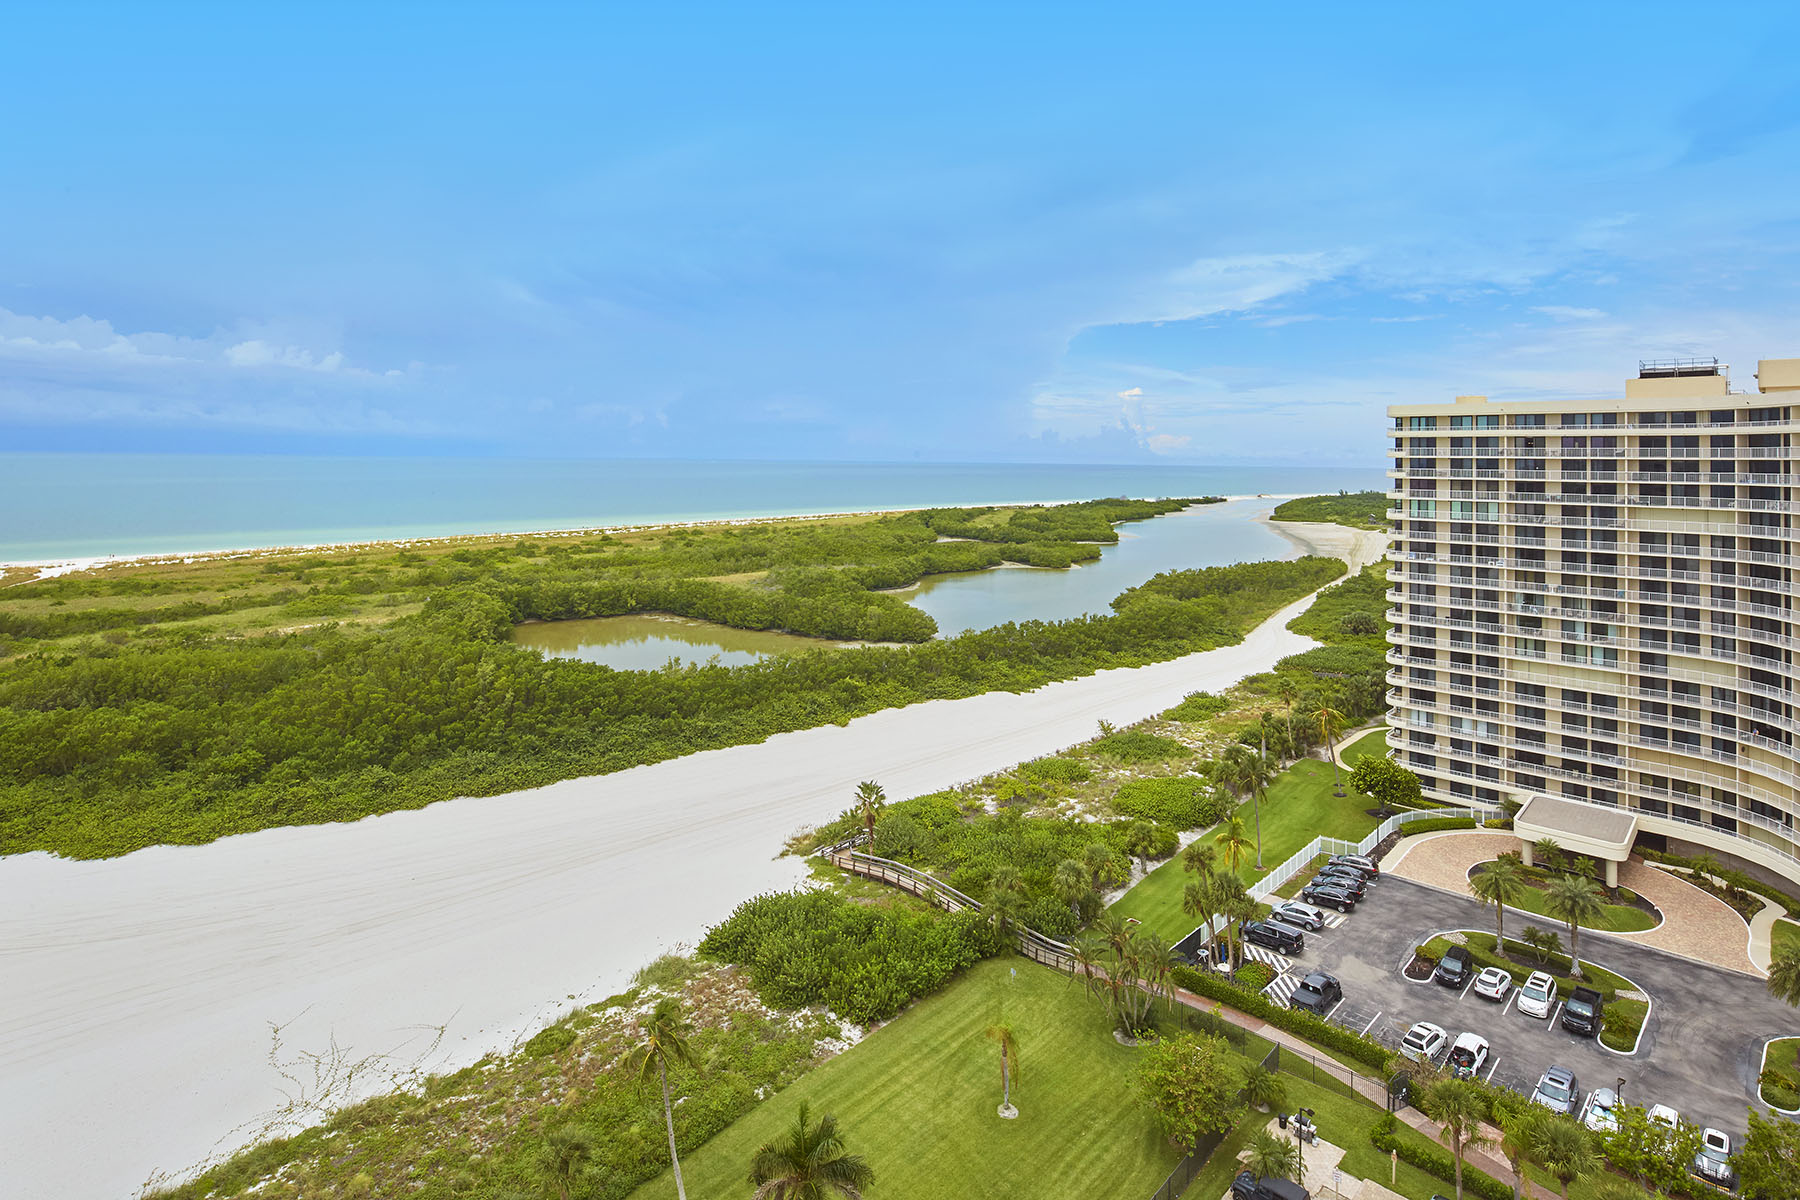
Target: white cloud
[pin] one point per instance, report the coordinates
(93, 342)
(1562, 312)
(1230, 283)
(1166, 443)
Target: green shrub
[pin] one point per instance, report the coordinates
(1198, 706)
(1255, 976)
(1138, 746)
(864, 962)
(1621, 1022)
(1497, 823)
(1434, 824)
(1434, 1160)
(1178, 801)
(1056, 770)
(553, 1040)
(1367, 1051)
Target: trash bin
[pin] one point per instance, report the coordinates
(1282, 1119)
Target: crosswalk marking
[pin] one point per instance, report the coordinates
(1334, 919)
(1281, 991)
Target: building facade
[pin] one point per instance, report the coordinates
(1596, 601)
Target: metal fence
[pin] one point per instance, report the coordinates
(1301, 859)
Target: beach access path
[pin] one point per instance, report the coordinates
(179, 1002)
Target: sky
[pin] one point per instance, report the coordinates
(1102, 233)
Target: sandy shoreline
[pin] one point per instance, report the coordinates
(136, 1024)
(50, 568)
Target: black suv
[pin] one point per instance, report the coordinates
(1326, 894)
(1275, 937)
(1345, 882)
(1455, 968)
(1317, 993)
(1248, 1187)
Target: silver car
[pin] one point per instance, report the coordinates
(1557, 1090)
(1292, 912)
(1601, 1112)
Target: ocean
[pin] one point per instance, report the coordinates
(60, 507)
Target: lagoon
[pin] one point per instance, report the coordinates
(647, 641)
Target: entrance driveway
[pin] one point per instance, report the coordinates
(1701, 1049)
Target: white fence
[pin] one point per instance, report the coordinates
(1265, 887)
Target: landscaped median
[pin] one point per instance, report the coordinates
(1781, 1074)
(1627, 1005)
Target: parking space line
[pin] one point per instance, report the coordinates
(1371, 1023)
(1551, 1019)
(1465, 990)
(1492, 1063)
(1510, 997)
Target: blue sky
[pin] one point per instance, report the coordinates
(961, 233)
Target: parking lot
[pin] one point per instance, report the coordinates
(1700, 1052)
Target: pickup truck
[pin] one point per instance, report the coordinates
(1581, 1012)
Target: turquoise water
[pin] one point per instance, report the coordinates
(59, 506)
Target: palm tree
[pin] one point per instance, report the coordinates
(809, 1163)
(1197, 900)
(1289, 691)
(1199, 857)
(1706, 867)
(1233, 845)
(1274, 1157)
(1516, 1132)
(1457, 1105)
(1140, 840)
(1249, 774)
(1070, 883)
(1784, 975)
(1564, 1149)
(1101, 861)
(1501, 884)
(870, 800)
(1009, 1064)
(1547, 851)
(1330, 721)
(666, 1031)
(565, 1156)
(1004, 904)
(1574, 900)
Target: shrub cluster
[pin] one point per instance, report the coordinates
(1056, 770)
(1434, 1160)
(1434, 824)
(1367, 1051)
(1255, 976)
(1198, 706)
(1139, 746)
(1178, 801)
(864, 962)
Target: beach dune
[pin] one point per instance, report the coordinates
(173, 1004)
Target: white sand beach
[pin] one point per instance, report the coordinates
(139, 994)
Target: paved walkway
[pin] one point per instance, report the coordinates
(1762, 934)
(1696, 924)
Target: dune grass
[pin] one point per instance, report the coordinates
(917, 1099)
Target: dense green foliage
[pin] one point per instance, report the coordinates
(1180, 801)
(1320, 1032)
(1359, 510)
(1353, 611)
(177, 737)
(1056, 770)
(1435, 1160)
(862, 961)
(1137, 746)
(1194, 1084)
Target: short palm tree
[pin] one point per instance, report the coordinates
(1501, 884)
(1004, 904)
(1199, 857)
(1140, 840)
(1564, 1149)
(1458, 1106)
(1574, 900)
(1234, 846)
(1102, 863)
(1070, 883)
(1516, 1132)
(1784, 975)
(566, 1152)
(1274, 1157)
(1330, 722)
(809, 1163)
(1008, 1042)
(666, 1031)
(1547, 852)
(870, 800)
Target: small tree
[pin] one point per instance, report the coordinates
(567, 1151)
(1264, 1088)
(1564, 1148)
(1458, 1106)
(1331, 721)
(1516, 1131)
(1102, 863)
(1192, 1082)
(809, 1163)
(1784, 975)
(1386, 782)
(1576, 901)
(1234, 846)
(1140, 840)
(870, 800)
(1008, 1042)
(1546, 942)
(666, 1032)
(1501, 883)
(1547, 852)
(1070, 883)
(1274, 1157)
(1649, 1151)
(1765, 1161)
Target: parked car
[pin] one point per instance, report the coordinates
(1581, 1012)
(1322, 893)
(1468, 1055)
(1454, 969)
(1317, 993)
(1301, 916)
(1347, 880)
(1537, 995)
(1493, 983)
(1349, 870)
(1601, 1112)
(1247, 1186)
(1275, 936)
(1713, 1163)
(1557, 1090)
(1423, 1041)
(1361, 862)
(1665, 1116)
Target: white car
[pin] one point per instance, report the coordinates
(1423, 1041)
(1292, 912)
(1493, 983)
(1468, 1055)
(1713, 1163)
(1537, 994)
(1601, 1112)
(1663, 1115)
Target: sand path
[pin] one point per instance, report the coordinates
(138, 994)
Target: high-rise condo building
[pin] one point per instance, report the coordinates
(1594, 611)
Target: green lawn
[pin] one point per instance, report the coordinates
(917, 1099)
(1785, 936)
(1299, 807)
(1614, 918)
